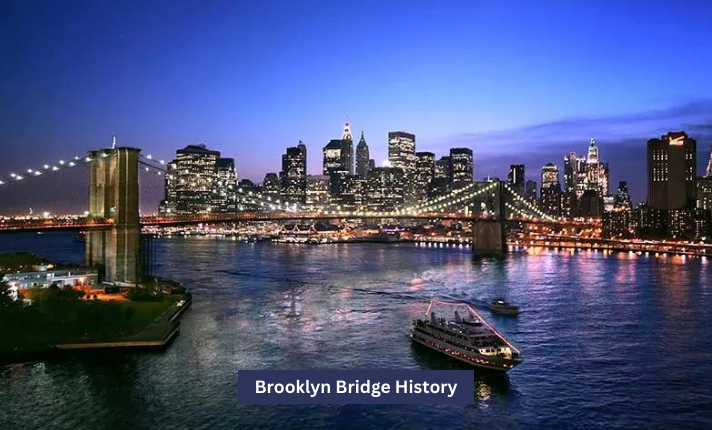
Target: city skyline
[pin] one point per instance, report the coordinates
(260, 76)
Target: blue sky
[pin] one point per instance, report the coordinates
(516, 81)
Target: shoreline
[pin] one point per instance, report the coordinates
(136, 341)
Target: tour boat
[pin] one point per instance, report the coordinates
(500, 306)
(469, 339)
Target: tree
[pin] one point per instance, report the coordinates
(7, 299)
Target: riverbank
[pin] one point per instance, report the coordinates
(645, 247)
(147, 325)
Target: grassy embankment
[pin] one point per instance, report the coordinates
(63, 315)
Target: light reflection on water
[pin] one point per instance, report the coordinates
(601, 335)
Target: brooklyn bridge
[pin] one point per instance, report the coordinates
(113, 223)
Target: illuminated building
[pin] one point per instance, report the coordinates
(271, 187)
(336, 165)
(425, 173)
(596, 171)
(293, 176)
(401, 155)
(199, 181)
(44, 277)
(384, 189)
(318, 191)
(363, 160)
(441, 180)
(672, 171)
(225, 185)
(622, 198)
(461, 167)
(575, 183)
(649, 222)
(550, 194)
(617, 224)
(349, 147)
(516, 178)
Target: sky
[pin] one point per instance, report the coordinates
(516, 81)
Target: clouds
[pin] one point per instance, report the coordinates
(621, 139)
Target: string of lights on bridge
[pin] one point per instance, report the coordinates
(434, 205)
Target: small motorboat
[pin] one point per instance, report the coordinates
(500, 306)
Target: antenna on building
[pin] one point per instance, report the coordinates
(113, 142)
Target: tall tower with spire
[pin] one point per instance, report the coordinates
(348, 139)
(362, 158)
(592, 152)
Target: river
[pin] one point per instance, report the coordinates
(610, 340)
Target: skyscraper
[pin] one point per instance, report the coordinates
(362, 158)
(336, 165)
(550, 195)
(349, 147)
(708, 172)
(596, 171)
(441, 181)
(401, 155)
(425, 172)
(516, 179)
(199, 181)
(461, 167)
(294, 175)
(271, 187)
(672, 171)
(225, 186)
(622, 197)
(384, 189)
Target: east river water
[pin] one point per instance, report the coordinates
(609, 340)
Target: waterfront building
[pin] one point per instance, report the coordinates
(461, 167)
(672, 171)
(704, 188)
(293, 176)
(363, 160)
(425, 173)
(43, 276)
(384, 189)
(704, 193)
(516, 179)
(550, 193)
(649, 222)
(318, 191)
(618, 224)
(198, 180)
(271, 187)
(681, 223)
(401, 155)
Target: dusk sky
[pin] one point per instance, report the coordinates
(518, 82)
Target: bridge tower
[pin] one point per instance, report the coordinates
(113, 197)
(489, 236)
